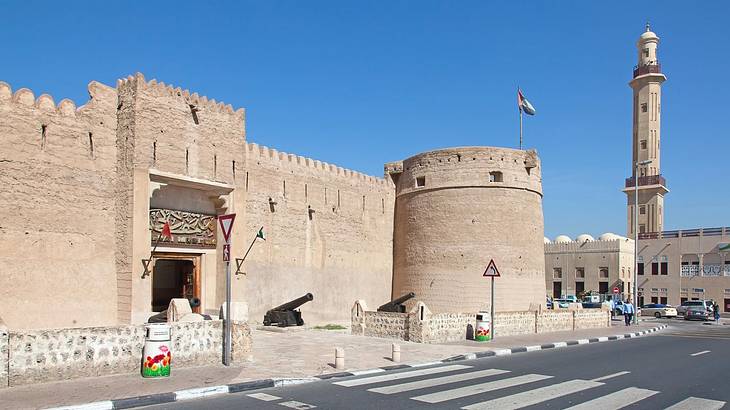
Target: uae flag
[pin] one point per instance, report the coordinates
(260, 234)
(523, 104)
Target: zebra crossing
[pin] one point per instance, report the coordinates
(491, 387)
(698, 332)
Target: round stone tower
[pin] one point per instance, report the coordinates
(456, 209)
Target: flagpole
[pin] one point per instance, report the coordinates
(252, 242)
(520, 128)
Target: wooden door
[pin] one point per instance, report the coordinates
(191, 275)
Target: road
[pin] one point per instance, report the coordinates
(683, 367)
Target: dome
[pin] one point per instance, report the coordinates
(563, 239)
(608, 236)
(584, 238)
(648, 34)
(547, 240)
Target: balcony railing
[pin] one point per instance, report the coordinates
(687, 233)
(646, 69)
(647, 180)
(707, 270)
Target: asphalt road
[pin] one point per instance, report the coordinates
(686, 365)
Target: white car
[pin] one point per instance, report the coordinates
(658, 310)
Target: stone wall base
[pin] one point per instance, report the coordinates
(423, 326)
(38, 356)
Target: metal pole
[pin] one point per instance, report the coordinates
(636, 240)
(491, 313)
(227, 323)
(520, 128)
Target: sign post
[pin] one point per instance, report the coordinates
(226, 223)
(491, 272)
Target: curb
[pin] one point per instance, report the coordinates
(181, 395)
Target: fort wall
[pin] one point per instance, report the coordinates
(57, 172)
(456, 209)
(329, 232)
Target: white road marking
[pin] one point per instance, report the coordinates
(693, 403)
(616, 400)
(699, 353)
(369, 371)
(535, 396)
(438, 381)
(397, 376)
(297, 405)
(445, 395)
(263, 396)
(610, 376)
(201, 392)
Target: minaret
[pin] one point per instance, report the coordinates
(647, 86)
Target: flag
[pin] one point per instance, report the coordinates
(523, 104)
(724, 247)
(166, 231)
(260, 234)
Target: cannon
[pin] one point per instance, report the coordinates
(285, 315)
(396, 305)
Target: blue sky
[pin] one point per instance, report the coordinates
(362, 83)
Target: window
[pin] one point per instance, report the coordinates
(654, 268)
(557, 273)
(420, 181)
(495, 176)
(663, 300)
(682, 300)
(579, 288)
(664, 268)
(641, 301)
(580, 273)
(603, 273)
(602, 287)
(646, 52)
(644, 107)
(640, 267)
(643, 144)
(642, 209)
(654, 299)
(642, 228)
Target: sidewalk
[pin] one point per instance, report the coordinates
(292, 354)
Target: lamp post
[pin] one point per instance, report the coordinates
(634, 297)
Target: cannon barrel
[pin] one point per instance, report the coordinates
(395, 305)
(294, 303)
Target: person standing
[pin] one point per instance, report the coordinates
(716, 311)
(628, 312)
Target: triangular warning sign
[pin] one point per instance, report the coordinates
(226, 223)
(491, 270)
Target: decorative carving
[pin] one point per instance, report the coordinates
(187, 228)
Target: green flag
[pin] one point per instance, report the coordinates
(260, 234)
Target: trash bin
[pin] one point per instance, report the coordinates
(157, 352)
(483, 333)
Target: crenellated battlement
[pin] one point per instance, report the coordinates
(279, 158)
(162, 89)
(23, 97)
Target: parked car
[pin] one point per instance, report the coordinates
(562, 303)
(696, 313)
(658, 310)
(705, 304)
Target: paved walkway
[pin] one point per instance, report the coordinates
(298, 353)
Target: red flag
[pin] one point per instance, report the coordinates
(166, 231)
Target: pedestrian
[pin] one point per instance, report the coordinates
(628, 312)
(716, 310)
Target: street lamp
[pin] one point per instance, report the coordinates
(636, 236)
